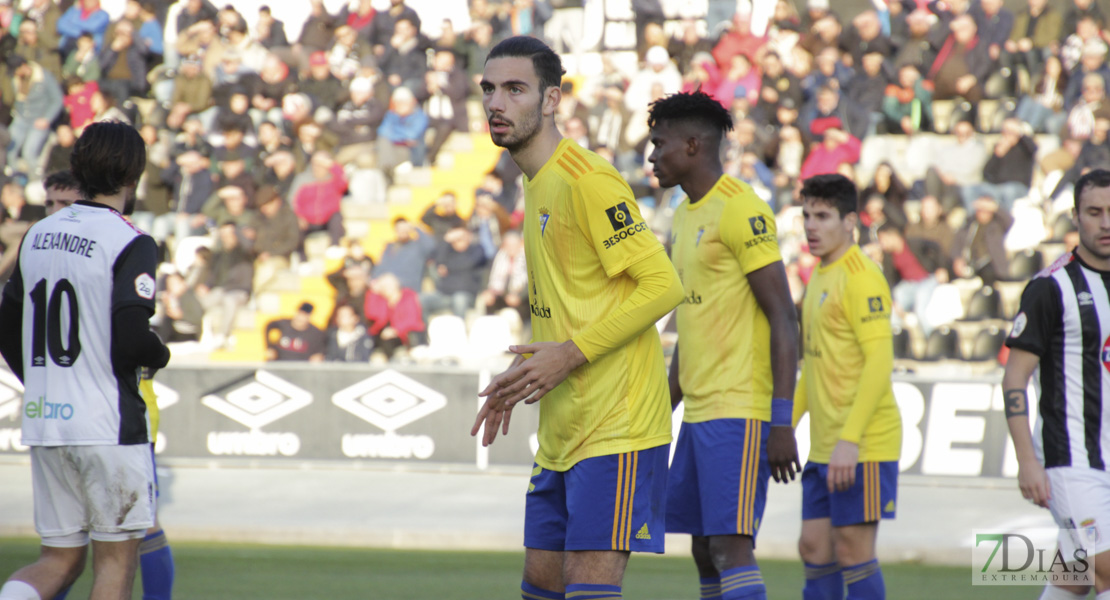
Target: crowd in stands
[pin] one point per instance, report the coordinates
(254, 140)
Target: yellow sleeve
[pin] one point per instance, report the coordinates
(748, 229)
(867, 306)
(657, 292)
(878, 362)
(801, 402)
(608, 215)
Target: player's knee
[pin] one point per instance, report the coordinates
(814, 549)
(849, 552)
(70, 562)
(731, 551)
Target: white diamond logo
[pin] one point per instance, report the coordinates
(11, 393)
(166, 395)
(260, 401)
(389, 400)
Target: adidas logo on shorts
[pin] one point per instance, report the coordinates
(643, 533)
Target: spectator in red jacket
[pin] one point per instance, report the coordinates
(317, 202)
(837, 147)
(394, 316)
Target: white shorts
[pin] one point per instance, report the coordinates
(1080, 503)
(101, 492)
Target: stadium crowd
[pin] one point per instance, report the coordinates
(254, 140)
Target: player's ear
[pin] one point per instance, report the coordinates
(552, 96)
(693, 145)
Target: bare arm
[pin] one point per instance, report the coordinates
(1031, 473)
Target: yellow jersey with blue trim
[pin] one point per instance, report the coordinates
(582, 229)
(847, 303)
(725, 364)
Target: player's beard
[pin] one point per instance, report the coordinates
(129, 200)
(521, 132)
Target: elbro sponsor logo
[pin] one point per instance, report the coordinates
(389, 401)
(41, 409)
(256, 401)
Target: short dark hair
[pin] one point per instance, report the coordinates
(108, 157)
(61, 180)
(890, 228)
(833, 189)
(548, 65)
(695, 107)
(1091, 179)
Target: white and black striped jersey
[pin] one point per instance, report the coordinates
(77, 268)
(1065, 320)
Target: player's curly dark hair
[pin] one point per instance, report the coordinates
(833, 189)
(108, 157)
(696, 106)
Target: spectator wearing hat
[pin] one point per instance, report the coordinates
(85, 16)
(401, 134)
(837, 147)
(356, 124)
(270, 32)
(347, 338)
(296, 338)
(321, 86)
(38, 101)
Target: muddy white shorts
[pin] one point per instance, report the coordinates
(1080, 503)
(101, 492)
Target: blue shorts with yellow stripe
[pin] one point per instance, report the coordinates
(718, 480)
(872, 497)
(612, 502)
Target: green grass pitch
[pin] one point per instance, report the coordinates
(233, 571)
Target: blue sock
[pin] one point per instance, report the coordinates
(593, 591)
(62, 594)
(743, 583)
(156, 563)
(865, 581)
(710, 588)
(531, 592)
(823, 582)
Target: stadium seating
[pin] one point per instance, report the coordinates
(942, 344)
(986, 345)
(985, 304)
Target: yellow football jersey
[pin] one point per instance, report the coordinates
(725, 358)
(847, 303)
(582, 229)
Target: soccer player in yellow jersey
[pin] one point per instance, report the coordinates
(850, 479)
(738, 331)
(598, 281)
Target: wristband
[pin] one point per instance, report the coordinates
(782, 412)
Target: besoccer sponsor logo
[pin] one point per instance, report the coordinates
(256, 401)
(619, 216)
(758, 224)
(389, 401)
(11, 396)
(1029, 557)
(876, 308)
